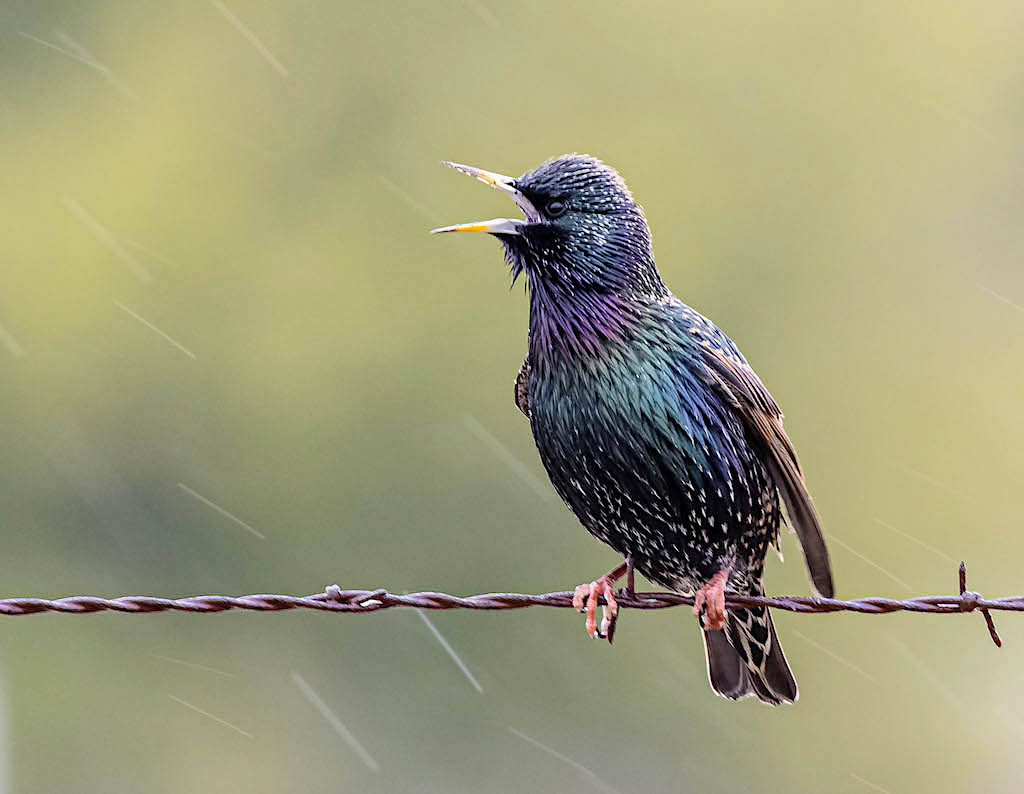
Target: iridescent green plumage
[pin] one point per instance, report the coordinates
(653, 428)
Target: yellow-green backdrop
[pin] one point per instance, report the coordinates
(216, 288)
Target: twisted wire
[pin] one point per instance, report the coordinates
(334, 599)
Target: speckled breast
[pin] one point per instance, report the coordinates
(627, 458)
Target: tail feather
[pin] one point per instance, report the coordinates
(726, 671)
(745, 658)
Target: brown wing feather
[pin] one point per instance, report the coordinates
(745, 392)
(522, 388)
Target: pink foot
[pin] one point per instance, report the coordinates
(586, 597)
(712, 598)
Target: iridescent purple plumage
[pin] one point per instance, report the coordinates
(650, 423)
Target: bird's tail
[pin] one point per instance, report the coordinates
(745, 658)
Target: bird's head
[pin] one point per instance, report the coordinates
(582, 228)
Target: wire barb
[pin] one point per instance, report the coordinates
(970, 601)
(334, 599)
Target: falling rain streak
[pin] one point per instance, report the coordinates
(520, 469)
(564, 759)
(193, 665)
(407, 198)
(451, 651)
(334, 721)
(213, 717)
(163, 260)
(8, 341)
(214, 506)
(833, 655)
(105, 236)
(484, 13)
(870, 562)
(1002, 298)
(156, 330)
(918, 541)
(869, 784)
(939, 484)
(80, 54)
(251, 37)
(941, 687)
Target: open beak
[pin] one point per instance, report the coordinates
(505, 184)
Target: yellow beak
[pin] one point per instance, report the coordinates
(505, 184)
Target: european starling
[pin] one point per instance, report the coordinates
(653, 428)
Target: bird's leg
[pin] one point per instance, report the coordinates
(630, 576)
(586, 597)
(711, 597)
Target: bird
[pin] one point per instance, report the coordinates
(651, 425)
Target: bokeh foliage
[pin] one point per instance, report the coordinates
(838, 185)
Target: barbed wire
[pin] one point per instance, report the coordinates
(334, 599)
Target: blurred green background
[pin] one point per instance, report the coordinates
(838, 185)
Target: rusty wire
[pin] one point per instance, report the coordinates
(334, 599)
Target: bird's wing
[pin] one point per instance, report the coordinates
(745, 392)
(522, 388)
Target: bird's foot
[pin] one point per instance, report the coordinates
(586, 598)
(711, 600)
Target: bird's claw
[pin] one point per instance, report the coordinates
(711, 600)
(585, 598)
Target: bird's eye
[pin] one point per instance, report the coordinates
(555, 208)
